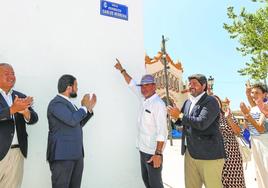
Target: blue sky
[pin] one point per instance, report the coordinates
(198, 40)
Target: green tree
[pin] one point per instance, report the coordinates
(251, 30)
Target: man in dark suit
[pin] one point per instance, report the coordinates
(202, 141)
(15, 113)
(65, 150)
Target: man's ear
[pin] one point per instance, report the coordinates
(69, 89)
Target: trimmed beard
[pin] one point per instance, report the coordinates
(73, 95)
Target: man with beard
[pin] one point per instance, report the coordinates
(65, 152)
(202, 142)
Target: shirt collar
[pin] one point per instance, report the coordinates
(4, 93)
(197, 98)
(63, 96)
(151, 98)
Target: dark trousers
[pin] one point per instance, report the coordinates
(151, 176)
(66, 174)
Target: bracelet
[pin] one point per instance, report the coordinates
(123, 70)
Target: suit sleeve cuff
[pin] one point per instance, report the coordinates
(85, 109)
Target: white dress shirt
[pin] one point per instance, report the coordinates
(194, 100)
(152, 121)
(9, 100)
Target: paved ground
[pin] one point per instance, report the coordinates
(173, 175)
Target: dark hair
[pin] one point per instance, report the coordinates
(5, 64)
(260, 86)
(200, 78)
(65, 81)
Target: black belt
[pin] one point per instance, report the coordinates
(15, 146)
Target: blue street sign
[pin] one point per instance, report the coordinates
(115, 10)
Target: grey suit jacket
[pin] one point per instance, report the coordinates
(201, 129)
(65, 137)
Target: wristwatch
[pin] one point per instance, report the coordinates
(157, 152)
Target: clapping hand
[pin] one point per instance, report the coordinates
(89, 102)
(244, 109)
(174, 112)
(92, 102)
(248, 88)
(21, 104)
(228, 113)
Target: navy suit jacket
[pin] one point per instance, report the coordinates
(201, 129)
(65, 137)
(7, 127)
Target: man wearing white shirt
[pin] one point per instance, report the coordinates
(15, 113)
(152, 128)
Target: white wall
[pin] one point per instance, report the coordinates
(44, 39)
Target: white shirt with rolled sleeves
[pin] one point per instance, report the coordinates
(152, 121)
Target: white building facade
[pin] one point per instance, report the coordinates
(44, 39)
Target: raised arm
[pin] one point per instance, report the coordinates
(259, 125)
(232, 122)
(123, 71)
(248, 94)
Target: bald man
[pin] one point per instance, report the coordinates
(15, 113)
